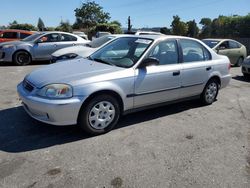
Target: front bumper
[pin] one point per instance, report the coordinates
(55, 112)
(6, 55)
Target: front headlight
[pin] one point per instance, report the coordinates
(56, 91)
(8, 46)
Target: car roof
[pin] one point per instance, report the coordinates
(17, 30)
(216, 39)
(159, 37)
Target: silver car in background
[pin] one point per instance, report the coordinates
(130, 73)
(246, 67)
(37, 47)
(82, 50)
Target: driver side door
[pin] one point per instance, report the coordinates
(46, 45)
(159, 83)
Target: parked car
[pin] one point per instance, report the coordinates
(234, 50)
(81, 34)
(13, 34)
(37, 47)
(130, 73)
(147, 33)
(246, 67)
(82, 50)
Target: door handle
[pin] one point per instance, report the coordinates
(73, 44)
(208, 68)
(176, 73)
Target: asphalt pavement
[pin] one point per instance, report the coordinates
(179, 145)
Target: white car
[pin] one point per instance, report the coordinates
(81, 50)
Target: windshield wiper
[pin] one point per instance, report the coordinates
(102, 61)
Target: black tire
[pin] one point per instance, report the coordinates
(209, 93)
(84, 118)
(247, 76)
(239, 62)
(22, 58)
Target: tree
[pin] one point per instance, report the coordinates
(25, 26)
(90, 14)
(165, 30)
(178, 27)
(206, 27)
(129, 25)
(116, 23)
(40, 25)
(193, 30)
(64, 26)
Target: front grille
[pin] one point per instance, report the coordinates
(27, 86)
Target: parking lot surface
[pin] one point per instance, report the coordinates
(180, 145)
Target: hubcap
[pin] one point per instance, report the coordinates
(101, 115)
(211, 92)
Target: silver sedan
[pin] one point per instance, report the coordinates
(37, 47)
(129, 74)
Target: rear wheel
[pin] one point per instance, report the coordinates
(99, 115)
(210, 92)
(22, 58)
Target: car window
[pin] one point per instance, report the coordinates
(9, 35)
(122, 52)
(166, 52)
(233, 44)
(54, 37)
(65, 37)
(224, 45)
(193, 51)
(24, 35)
(100, 41)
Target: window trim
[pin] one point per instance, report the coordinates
(177, 48)
(202, 46)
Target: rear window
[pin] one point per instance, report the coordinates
(9, 35)
(24, 35)
(65, 38)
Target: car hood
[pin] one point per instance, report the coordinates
(69, 72)
(82, 51)
(16, 43)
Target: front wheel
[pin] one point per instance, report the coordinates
(210, 92)
(22, 58)
(99, 115)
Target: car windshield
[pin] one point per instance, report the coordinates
(211, 43)
(122, 52)
(32, 37)
(100, 41)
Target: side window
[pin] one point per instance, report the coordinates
(10, 35)
(193, 51)
(54, 37)
(166, 52)
(65, 38)
(24, 35)
(224, 45)
(233, 44)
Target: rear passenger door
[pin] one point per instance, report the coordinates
(196, 66)
(66, 41)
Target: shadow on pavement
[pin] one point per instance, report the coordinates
(20, 133)
(9, 64)
(241, 78)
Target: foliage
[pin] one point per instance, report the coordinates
(89, 15)
(64, 26)
(25, 26)
(193, 30)
(178, 27)
(40, 25)
(109, 27)
(165, 30)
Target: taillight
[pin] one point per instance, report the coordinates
(229, 66)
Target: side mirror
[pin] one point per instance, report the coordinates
(148, 62)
